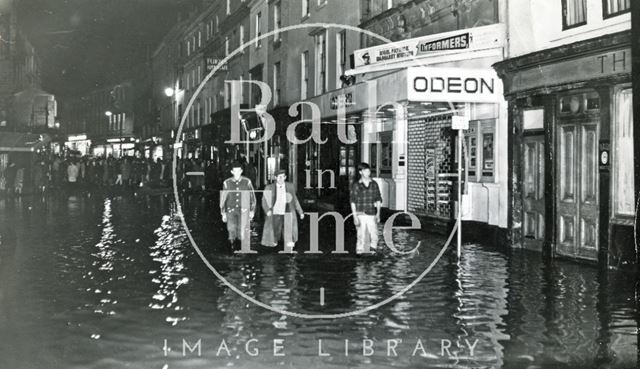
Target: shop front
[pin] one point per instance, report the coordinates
(572, 150)
(326, 163)
(78, 143)
(19, 153)
(420, 85)
(115, 146)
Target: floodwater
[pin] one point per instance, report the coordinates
(113, 282)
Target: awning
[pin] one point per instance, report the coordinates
(22, 142)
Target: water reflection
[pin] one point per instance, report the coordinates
(168, 252)
(122, 270)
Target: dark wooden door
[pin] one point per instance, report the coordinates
(577, 188)
(533, 192)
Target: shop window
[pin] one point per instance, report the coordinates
(611, 8)
(574, 13)
(623, 170)
(480, 150)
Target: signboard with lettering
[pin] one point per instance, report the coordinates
(212, 62)
(342, 100)
(479, 38)
(600, 65)
(453, 85)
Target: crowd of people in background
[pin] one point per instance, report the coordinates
(77, 174)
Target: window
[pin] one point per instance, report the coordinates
(304, 75)
(217, 24)
(623, 171)
(199, 39)
(389, 4)
(341, 56)
(188, 47)
(199, 74)
(574, 13)
(276, 21)
(480, 146)
(305, 8)
(227, 96)
(241, 88)
(241, 32)
(198, 113)
(615, 7)
(258, 29)
(228, 7)
(193, 78)
(321, 63)
(226, 46)
(321, 2)
(193, 44)
(276, 84)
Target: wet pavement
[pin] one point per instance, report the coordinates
(113, 282)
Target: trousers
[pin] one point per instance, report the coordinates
(368, 228)
(238, 225)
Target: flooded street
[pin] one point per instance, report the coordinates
(113, 282)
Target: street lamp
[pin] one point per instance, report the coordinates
(169, 91)
(108, 113)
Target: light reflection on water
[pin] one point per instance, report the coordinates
(109, 283)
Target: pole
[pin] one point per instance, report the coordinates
(459, 194)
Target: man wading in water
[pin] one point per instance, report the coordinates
(365, 207)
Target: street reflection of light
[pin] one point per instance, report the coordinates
(103, 265)
(168, 252)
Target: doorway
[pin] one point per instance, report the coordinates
(577, 183)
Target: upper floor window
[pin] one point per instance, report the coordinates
(574, 13)
(304, 75)
(321, 63)
(258, 29)
(276, 21)
(322, 2)
(241, 34)
(615, 7)
(341, 56)
(305, 8)
(199, 39)
(188, 47)
(276, 84)
(226, 46)
(228, 6)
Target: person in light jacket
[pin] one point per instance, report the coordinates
(280, 205)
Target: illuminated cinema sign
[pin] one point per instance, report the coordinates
(453, 84)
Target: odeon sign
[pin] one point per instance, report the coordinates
(453, 84)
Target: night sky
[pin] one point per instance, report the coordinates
(84, 44)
